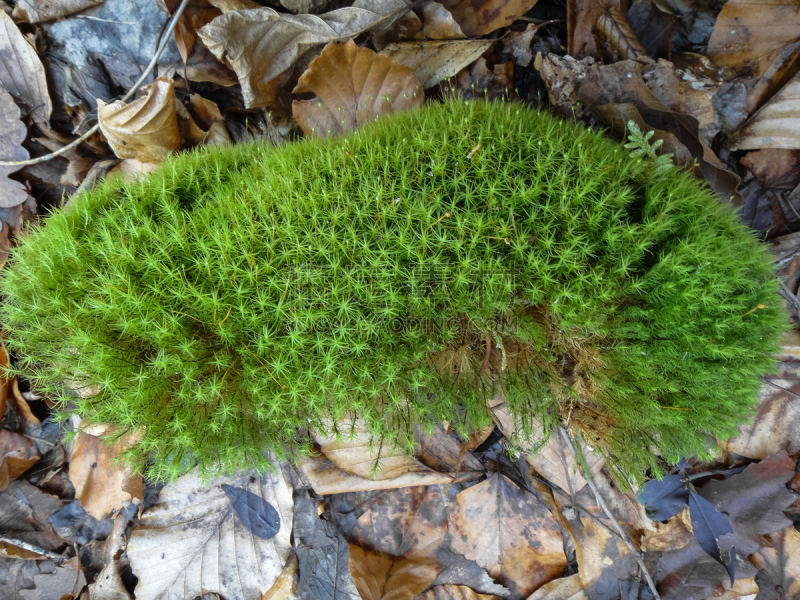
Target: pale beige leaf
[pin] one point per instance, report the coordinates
(263, 45)
(192, 542)
(566, 588)
(435, 61)
(100, 484)
(147, 128)
(354, 87)
(36, 11)
(108, 585)
(510, 533)
(326, 478)
(777, 124)
(749, 34)
(232, 5)
(479, 17)
(455, 592)
(21, 72)
(438, 23)
(12, 134)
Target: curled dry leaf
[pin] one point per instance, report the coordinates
(109, 585)
(354, 86)
(196, 14)
(438, 23)
(12, 134)
(21, 71)
(509, 533)
(262, 45)
(101, 484)
(777, 124)
(147, 128)
(750, 34)
(478, 17)
(433, 62)
(34, 11)
(194, 525)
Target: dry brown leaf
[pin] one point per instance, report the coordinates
(478, 81)
(65, 581)
(477, 19)
(781, 561)
(654, 27)
(455, 592)
(562, 77)
(109, 585)
(78, 165)
(613, 29)
(202, 66)
(354, 87)
(21, 72)
(196, 14)
(145, 129)
(284, 588)
(262, 45)
(326, 478)
(36, 11)
(438, 23)
(17, 455)
(29, 422)
(434, 62)
(566, 588)
(509, 533)
(518, 43)
(232, 5)
(12, 134)
(774, 167)
(381, 576)
(404, 522)
(194, 526)
(100, 484)
(582, 17)
(749, 34)
(555, 463)
(443, 452)
(776, 125)
(206, 114)
(776, 424)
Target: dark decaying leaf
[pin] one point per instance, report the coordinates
(257, 515)
(322, 554)
(709, 525)
(664, 499)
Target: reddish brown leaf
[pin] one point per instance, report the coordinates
(479, 17)
(196, 14)
(380, 576)
(613, 29)
(509, 533)
(354, 86)
(17, 455)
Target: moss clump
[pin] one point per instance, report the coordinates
(239, 295)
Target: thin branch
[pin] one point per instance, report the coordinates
(613, 519)
(31, 548)
(159, 51)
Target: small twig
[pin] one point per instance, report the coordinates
(125, 98)
(31, 548)
(488, 352)
(781, 388)
(613, 519)
(788, 295)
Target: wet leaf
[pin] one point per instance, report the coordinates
(508, 532)
(749, 34)
(101, 484)
(21, 72)
(478, 17)
(354, 86)
(37, 12)
(256, 514)
(664, 499)
(145, 129)
(708, 526)
(194, 525)
(435, 61)
(322, 554)
(262, 45)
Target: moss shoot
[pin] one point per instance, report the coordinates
(404, 275)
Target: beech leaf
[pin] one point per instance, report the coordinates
(435, 61)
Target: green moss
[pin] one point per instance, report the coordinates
(242, 294)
